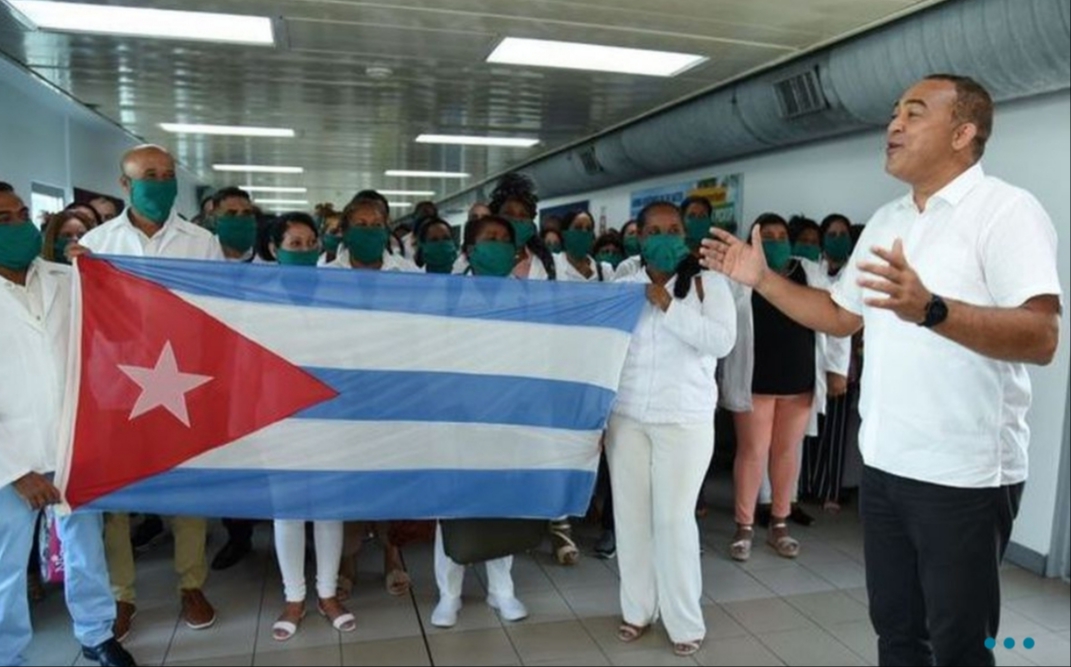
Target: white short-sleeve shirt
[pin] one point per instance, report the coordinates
(932, 409)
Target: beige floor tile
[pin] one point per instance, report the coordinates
(596, 659)
(843, 573)
(546, 606)
(720, 625)
(810, 647)
(478, 647)
(792, 580)
(221, 661)
(660, 658)
(829, 608)
(737, 651)
(1049, 649)
(389, 653)
(1051, 611)
(603, 629)
(551, 641)
(766, 616)
(859, 637)
(328, 656)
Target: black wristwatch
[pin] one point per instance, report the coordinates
(936, 312)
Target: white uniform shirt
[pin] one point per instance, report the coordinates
(933, 410)
(390, 262)
(668, 376)
(567, 272)
(177, 239)
(35, 332)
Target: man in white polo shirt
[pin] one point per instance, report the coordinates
(958, 287)
(150, 227)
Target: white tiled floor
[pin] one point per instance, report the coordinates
(766, 612)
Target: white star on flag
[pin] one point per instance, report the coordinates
(164, 386)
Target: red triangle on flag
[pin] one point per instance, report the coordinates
(163, 381)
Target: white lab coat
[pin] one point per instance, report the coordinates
(832, 355)
(33, 365)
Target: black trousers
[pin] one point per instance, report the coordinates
(822, 465)
(239, 530)
(603, 488)
(933, 558)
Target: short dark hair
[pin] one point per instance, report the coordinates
(798, 224)
(832, 219)
(610, 238)
(6, 187)
(702, 201)
(371, 196)
(362, 202)
(228, 193)
(473, 229)
(973, 105)
(517, 187)
(570, 218)
(85, 208)
(641, 219)
(766, 220)
(624, 227)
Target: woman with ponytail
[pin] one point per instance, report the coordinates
(661, 432)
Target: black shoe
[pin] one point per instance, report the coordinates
(231, 553)
(762, 515)
(109, 654)
(606, 547)
(148, 534)
(799, 516)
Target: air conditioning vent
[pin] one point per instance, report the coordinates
(589, 160)
(801, 95)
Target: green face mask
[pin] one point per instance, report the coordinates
(297, 257)
(492, 258)
(20, 243)
(778, 254)
(664, 251)
(632, 246)
(578, 242)
(153, 199)
(331, 243)
(697, 228)
(439, 256)
(554, 247)
(807, 251)
(59, 250)
(523, 230)
(611, 258)
(237, 232)
(839, 248)
(366, 244)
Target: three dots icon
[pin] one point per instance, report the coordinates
(1009, 643)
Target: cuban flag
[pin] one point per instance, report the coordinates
(245, 390)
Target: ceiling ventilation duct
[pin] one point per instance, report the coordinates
(1016, 48)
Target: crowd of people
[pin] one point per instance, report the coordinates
(759, 326)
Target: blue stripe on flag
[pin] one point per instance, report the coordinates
(366, 395)
(604, 305)
(369, 495)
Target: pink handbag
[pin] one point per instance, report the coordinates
(51, 549)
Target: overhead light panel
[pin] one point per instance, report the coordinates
(146, 22)
(282, 202)
(407, 193)
(426, 174)
(399, 204)
(257, 169)
(228, 130)
(464, 140)
(576, 55)
(270, 188)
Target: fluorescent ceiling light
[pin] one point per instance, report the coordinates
(282, 202)
(575, 55)
(260, 169)
(269, 188)
(399, 204)
(146, 22)
(427, 174)
(463, 140)
(230, 130)
(407, 193)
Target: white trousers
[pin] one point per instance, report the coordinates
(290, 550)
(450, 576)
(656, 471)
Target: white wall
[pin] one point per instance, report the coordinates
(1030, 148)
(46, 137)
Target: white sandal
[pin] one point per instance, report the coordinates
(283, 630)
(344, 622)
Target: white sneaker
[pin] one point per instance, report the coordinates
(510, 609)
(445, 614)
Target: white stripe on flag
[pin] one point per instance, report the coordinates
(372, 340)
(311, 444)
